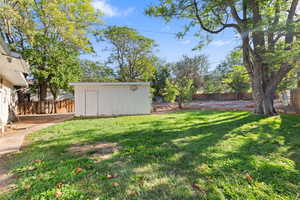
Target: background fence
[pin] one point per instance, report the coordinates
(223, 96)
(45, 107)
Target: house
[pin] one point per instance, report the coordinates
(12, 70)
(112, 99)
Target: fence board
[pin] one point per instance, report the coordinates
(46, 107)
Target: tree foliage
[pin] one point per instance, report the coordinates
(50, 34)
(96, 71)
(131, 52)
(67, 20)
(184, 72)
(214, 81)
(159, 81)
(268, 31)
(62, 64)
(193, 68)
(185, 89)
(237, 79)
(170, 91)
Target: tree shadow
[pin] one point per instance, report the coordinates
(161, 157)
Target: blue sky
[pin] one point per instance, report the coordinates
(131, 13)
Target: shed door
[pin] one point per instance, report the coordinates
(91, 103)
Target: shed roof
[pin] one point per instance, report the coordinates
(108, 83)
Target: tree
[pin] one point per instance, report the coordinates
(268, 31)
(30, 27)
(170, 91)
(185, 89)
(214, 82)
(159, 81)
(184, 72)
(96, 71)
(179, 89)
(131, 52)
(62, 64)
(238, 80)
(193, 68)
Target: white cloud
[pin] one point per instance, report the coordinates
(105, 8)
(109, 10)
(220, 42)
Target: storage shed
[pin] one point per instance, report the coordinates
(112, 99)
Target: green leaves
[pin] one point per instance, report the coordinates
(170, 91)
(96, 71)
(131, 52)
(238, 79)
(50, 34)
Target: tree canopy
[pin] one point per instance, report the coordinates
(193, 68)
(131, 52)
(96, 71)
(50, 34)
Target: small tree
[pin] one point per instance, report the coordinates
(170, 92)
(185, 91)
(159, 81)
(180, 89)
(238, 80)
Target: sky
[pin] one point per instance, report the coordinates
(170, 48)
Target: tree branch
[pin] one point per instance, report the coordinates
(235, 14)
(290, 19)
(209, 30)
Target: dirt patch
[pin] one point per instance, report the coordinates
(164, 107)
(100, 150)
(205, 105)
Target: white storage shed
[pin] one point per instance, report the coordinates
(112, 99)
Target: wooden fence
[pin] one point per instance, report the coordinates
(295, 98)
(222, 97)
(45, 107)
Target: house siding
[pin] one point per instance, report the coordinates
(6, 99)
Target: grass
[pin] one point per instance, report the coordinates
(183, 155)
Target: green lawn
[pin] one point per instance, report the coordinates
(182, 155)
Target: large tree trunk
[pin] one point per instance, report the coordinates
(263, 97)
(42, 90)
(42, 95)
(54, 92)
(299, 79)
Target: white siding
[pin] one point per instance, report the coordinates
(91, 102)
(5, 100)
(111, 100)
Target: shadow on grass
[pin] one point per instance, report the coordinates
(182, 155)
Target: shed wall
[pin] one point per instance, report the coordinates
(95, 100)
